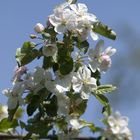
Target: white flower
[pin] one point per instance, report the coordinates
(98, 59)
(85, 21)
(15, 95)
(83, 82)
(63, 102)
(63, 20)
(3, 112)
(49, 50)
(63, 83)
(118, 128)
(39, 28)
(84, 28)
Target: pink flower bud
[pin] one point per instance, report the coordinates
(105, 62)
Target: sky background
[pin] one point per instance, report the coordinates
(17, 20)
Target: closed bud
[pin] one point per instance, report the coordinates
(39, 28)
(32, 36)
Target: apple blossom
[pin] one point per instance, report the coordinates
(117, 128)
(98, 59)
(15, 95)
(83, 82)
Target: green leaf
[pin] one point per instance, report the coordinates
(11, 113)
(66, 67)
(84, 46)
(5, 124)
(22, 124)
(26, 54)
(41, 127)
(107, 110)
(78, 105)
(102, 99)
(102, 89)
(35, 101)
(51, 107)
(104, 30)
(47, 62)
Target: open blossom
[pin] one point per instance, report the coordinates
(49, 50)
(85, 21)
(63, 103)
(63, 83)
(63, 20)
(98, 59)
(83, 82)
(117, 128)
(15, 95)
(39, 28)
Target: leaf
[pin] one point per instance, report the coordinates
(35, 101)
(78, 105)
(51, 107)
(66, 67)
(47, 62)
(5, 124)
(26, 54)
(11, 113)
(102, 89)
(22, 124)
(102, 99)
(104, 30)
(84, 46)
(107, 110)
(41, 127)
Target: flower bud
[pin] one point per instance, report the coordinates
(39, 28)
(32, 36)
(105, 62)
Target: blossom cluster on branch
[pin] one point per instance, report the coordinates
(56, 93)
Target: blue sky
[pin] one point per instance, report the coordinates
(17, 19)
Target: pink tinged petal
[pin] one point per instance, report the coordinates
(93, 35)
(60, 28)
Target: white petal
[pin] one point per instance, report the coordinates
(60, 28)
(74, 7)
(94, 36)
(86, 73)
(84, 96)
(82, 8)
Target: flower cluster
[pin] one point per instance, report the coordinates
(73, 18)
(117, 128)
(56, 94)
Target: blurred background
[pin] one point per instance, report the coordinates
(17, 19)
